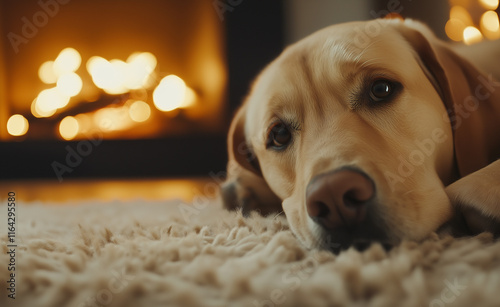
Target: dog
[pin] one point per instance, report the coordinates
(371, 131)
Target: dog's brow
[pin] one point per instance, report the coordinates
(284, 105)
(366, 68)
(342, 50)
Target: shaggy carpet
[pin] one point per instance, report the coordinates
(172, 254)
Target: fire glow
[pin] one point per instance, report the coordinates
(464, 27)
(118, 77)
(136, 76)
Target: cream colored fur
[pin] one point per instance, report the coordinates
(412, 147)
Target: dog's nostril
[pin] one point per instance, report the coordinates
(323, 210)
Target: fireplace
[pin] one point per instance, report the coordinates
(120, 69)
(120, 88)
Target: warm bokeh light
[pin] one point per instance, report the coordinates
(84, 122)
(490, 25)
(460, 13)
(464, 14)
(118, 77)
(170, 93)
(139, 69)
(50, 100)
(69, 84)
(100, 70)
(139, 111)
(38, 112)
(94, 63)
(17, 125)
(102, 120)
(114, 76)
(68, 60)
(46, 73)
(143, 59)
(68, 128)
(118, 84)
(108, 75)
(472, 35)
(489, 21)
(454, 29)
(34, 110)
(112, 118)
(190, 98)
(489, 4)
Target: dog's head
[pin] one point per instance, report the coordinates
(354, 131)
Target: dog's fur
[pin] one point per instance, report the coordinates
(431, 151)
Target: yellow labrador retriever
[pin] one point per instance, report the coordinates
(370, 131)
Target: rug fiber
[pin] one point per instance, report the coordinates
(172, 254)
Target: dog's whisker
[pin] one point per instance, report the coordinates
(408, 192)
(278, 214)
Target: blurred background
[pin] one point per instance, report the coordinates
(129, 98)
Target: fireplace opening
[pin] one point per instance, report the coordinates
(117, 69)
(126, 88)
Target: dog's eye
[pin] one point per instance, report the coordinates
(381, 90)
(279, 136)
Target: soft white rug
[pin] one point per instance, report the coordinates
(169, 254)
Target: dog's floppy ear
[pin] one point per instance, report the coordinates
(245, 187)
(472, 101)
(471, 98)
(239, 148)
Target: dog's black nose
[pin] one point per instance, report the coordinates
(339, 198)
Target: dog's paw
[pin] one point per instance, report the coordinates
(249, 194)
(477, 198)
(478, 222)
